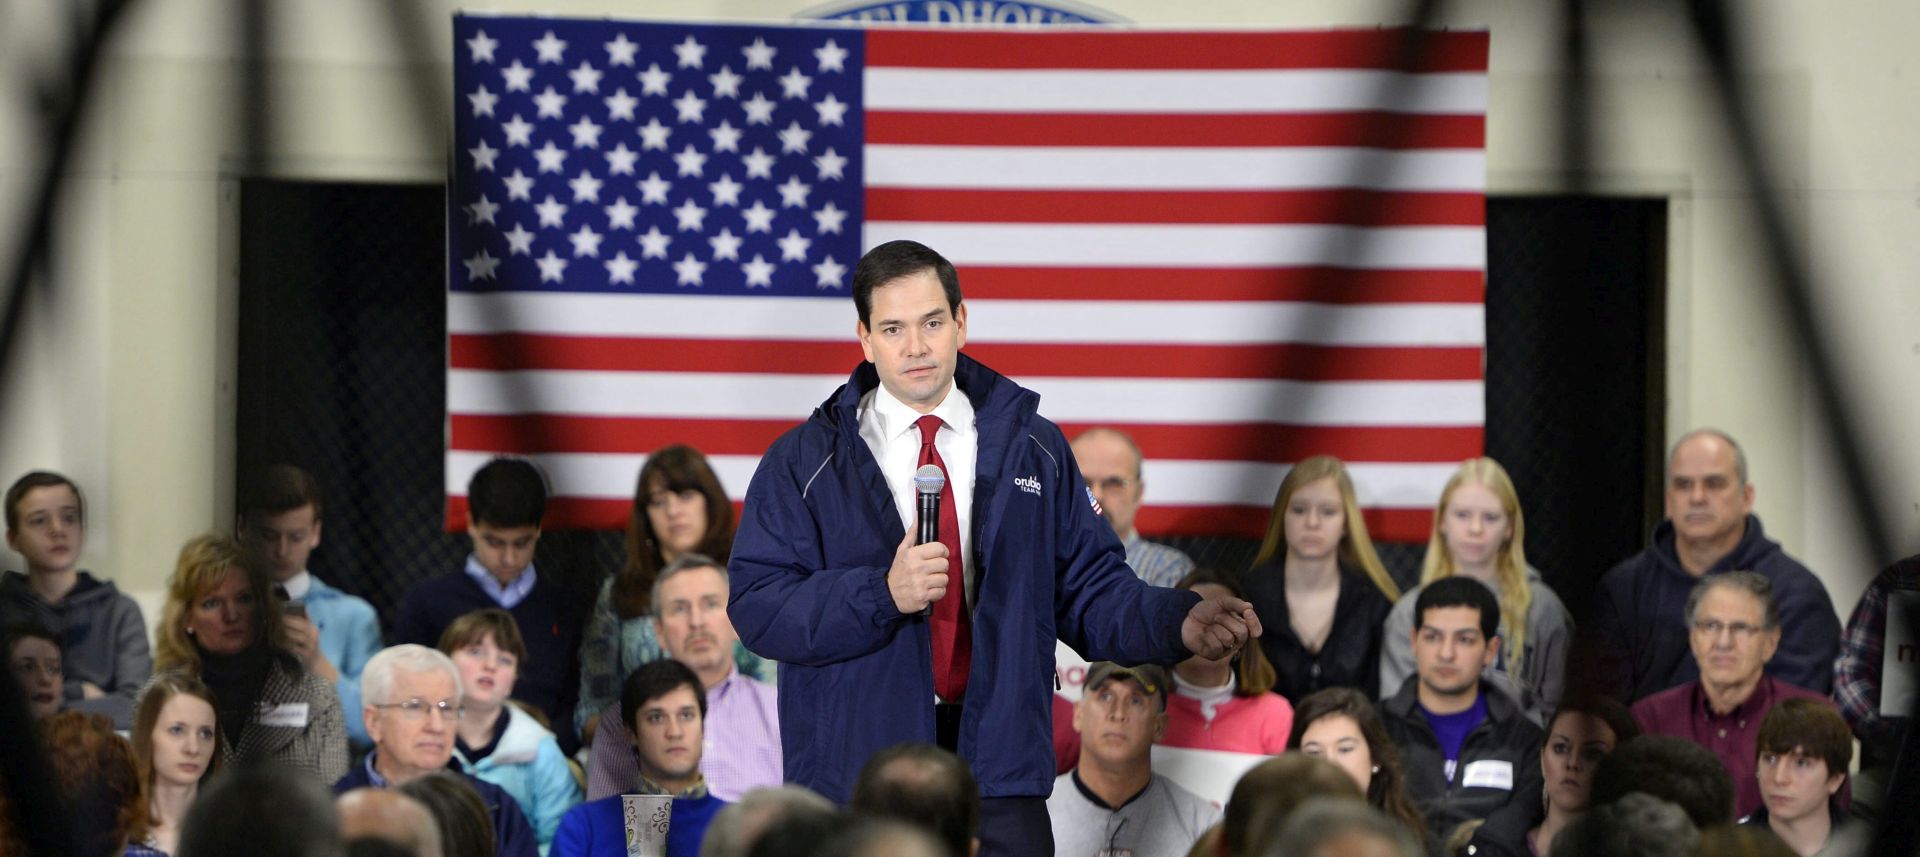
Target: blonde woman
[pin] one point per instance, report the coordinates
(1479, 532)
(1318, 585)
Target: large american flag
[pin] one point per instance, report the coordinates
(1243, 248)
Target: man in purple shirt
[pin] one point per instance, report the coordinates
(1734, 630)
(741, 750)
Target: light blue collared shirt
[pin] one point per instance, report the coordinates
(508, 596)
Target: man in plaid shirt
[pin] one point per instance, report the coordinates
(1856, 673)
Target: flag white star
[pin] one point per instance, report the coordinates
(690, 107)
(482, 101)
(586, 135)
(829, 273)
(586, 242)
(653, 245)
(759, 217)
(550, 48)
(793, 248)
(553, 269)
(726, 191)
(519, 131)
(653, 135)
(689, 216)
(726, 138)
(586, 78)
(586, 188)
(480, 47)
(793, 193)
(690, 161)
(519, 185)
(760, 54)
(690, 270)
(832, 110)
(481, 266)
(551, 157)
(832, 165)
(829, 218)
(553, 213)
(620, 105)
(519, 241)
(759, 164)
(518, 77)
(759, 110)
(620, 214)
(620, 268)
(550, 105)
(725, 244)
(691, 53)
(794, 84)
(620, 160)
(620, 51)
(793, 138)
(483, 156)
(654, 189)
(759, 272)
(831, 56)
(654, 81)
(726, 84)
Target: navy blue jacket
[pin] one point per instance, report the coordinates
(512, 835)
(809, 587)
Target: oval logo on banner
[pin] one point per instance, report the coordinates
(1012, 13)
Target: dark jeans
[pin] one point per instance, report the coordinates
(1015, 827)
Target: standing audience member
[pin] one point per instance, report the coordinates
(506, 499)
(1267, 795)
(1342, 726)
(386, 815)
(332, 632)
(176, 747)
(1479, 532)
(262, 810)
(664, 703)
(1671, 769)
(1113, 468)
(1318, 585)
(1639, 640)
(221, 625)
(103, 638)
(1468, 748)
(459, 812)
(1330, 827)
(413, 705)
(738, 826)
(1224, 703)
(33, 656)
(94, 772)
(496, 741)
(1857, 674)
(1579, 735)
(679, 507)
(1735, 632)
(925, 786)
(1804, 752)
(1113, 801)
(1636, 825)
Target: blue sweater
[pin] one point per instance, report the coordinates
(595, 829)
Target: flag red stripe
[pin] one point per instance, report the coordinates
(1384, 525)
(1313, 285)
(1373, 130)
(1334, 49)
(1352, 207)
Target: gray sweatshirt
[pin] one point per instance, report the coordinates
(103, 640)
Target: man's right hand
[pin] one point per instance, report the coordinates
(918, 576)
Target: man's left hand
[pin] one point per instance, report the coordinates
(1219, 626)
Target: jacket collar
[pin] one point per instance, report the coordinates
(994, 397)
(1405, 704)
(1754, 546)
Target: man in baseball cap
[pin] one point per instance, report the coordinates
(1113, 802)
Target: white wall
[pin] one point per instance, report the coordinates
(125, 381)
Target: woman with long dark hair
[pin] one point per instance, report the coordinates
(175, 747)
(1339, 724)
(1580, 734)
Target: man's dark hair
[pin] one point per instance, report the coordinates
(882, 837)
(1672, 769)
(1811, 727)
(507, 492)
(374, 846)
(797, 834)
(466, 828)
(896, 259)
(1635, 825)
(656, 679)
(285, 813)
(279, 489)
(925, 786)
(48, 479)
(1460, 591)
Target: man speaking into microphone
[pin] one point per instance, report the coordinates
(885, 639)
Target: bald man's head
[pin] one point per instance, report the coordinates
(390, 815)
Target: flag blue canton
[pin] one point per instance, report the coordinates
(600, 156)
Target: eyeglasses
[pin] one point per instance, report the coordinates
(417, 708)
(1711, 629)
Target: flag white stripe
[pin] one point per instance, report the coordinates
(1189, 245)
(1155, 168)
(1173, 90)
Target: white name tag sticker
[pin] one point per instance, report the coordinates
(289, 714)
(1488, 774)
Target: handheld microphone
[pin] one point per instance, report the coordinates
(928, 482)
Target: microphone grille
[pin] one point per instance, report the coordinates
(928, 479)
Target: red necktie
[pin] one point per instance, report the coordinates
(952, 625)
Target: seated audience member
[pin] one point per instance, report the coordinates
(1579, 735)
(1735, 631)
(883, 837)
(738, 826)
(333, 633)
(1479, 532)
(1113, 800)
(412, 703)
(222, 626)
(390, 816)
(1635, 825)
(1857, 677)
(176, 747)
(496, 741)
(1804, 750)
(102, 636)
(93, 771)
(33, 656)
(742, 723)
(679, 508)
(262, 810)
(663, 703)
(1468, 748)
(1340, 725)
(1267, 795)
(1638, 641)
(925, 786)
(1672, 769)
(1112, 466)
(1223, 703)
(1318, 586)
(1330, 827)
(799, 835)
(458, 811)
(505, 501)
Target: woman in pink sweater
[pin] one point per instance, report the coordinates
(1225, 704)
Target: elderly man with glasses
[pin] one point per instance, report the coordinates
(412, 705)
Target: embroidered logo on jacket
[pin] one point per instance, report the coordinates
(1029, 484)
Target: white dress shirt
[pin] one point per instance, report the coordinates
(887, 425)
